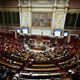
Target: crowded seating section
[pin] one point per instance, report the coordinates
(33, 56)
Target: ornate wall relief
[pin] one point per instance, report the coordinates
(24, 2)
(24, 18)
(59, 19)
(42, 2)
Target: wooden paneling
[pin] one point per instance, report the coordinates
(10, 3)
(74, 3)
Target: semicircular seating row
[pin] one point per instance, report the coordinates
(14, 57)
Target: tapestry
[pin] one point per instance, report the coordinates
(41, 19)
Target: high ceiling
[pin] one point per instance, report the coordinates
(72, 3)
